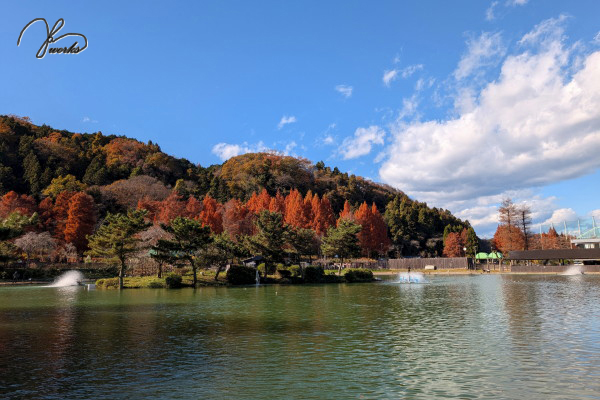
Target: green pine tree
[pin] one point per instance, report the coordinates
(341, 241)
(117, 238)
(190, 238)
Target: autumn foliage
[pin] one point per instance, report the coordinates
(80, 221)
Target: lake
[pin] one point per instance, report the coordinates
(467, 337)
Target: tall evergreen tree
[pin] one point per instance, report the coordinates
(341, 241)
(118, 237)
(190, 237)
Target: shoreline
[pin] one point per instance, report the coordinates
(468, 272)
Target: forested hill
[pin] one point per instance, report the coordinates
(118, 172)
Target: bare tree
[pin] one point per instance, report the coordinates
(142, 258)
(507, 215)
(68, 252)
(32, 243)
(524, 222)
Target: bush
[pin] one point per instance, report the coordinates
(241, 275)
(173, 281)
(313, 274)
(358, 275)
(156, 284)
(296, 271)
(108, 283)
(284, 273)
(270, 268)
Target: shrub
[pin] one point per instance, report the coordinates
(313, 274)
(284, 273)
(296, 271)
(173, 281)
(156, 284)
(358, 275)
(241, 275)
(268, 266)
(108, 283)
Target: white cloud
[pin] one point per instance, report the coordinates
(547, 32)
(285, 120)
(423, 83)
(226, 150)
(389, 76)
(597, 38)
(289, 148)
(489, 13)
(536, 123)
(482, 51)
(88, 119)
(345, 90)
(411, 69)
(517, 2)
(328, 139)
(361, 143)
(560, 216)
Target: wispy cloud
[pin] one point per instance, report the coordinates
(489, 13)
(481, 51)
(389, 76)
(411, 69)
(285, 120)
(87, 119)
(227, 150)
(361, 143)
(345, 90)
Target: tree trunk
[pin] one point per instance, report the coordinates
(121, 274)
(159, 275)
(219, 269)
(195, 281)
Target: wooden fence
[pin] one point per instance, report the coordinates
(420, 263)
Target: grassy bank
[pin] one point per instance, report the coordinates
(241, 276)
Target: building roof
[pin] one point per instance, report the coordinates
(560, 254)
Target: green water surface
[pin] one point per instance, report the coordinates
(488, 337)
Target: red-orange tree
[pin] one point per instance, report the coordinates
(81, 218)
(294, 210)
(453, 247)
(508, 238)
(211, 214)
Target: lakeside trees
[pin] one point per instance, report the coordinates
(118, 237)
(72, 181)
(190, 237)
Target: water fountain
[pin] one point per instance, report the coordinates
(573, 270)
(69, 278)
(411, 277)
(257, 279)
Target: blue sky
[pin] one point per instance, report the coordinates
(458, 103)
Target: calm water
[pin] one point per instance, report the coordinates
(513, 337)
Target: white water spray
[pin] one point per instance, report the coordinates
(69, 278)
(573, 270)
(411, 277)
(257, 278)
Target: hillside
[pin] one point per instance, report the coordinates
(119, 172)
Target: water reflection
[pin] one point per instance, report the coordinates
(455, 337)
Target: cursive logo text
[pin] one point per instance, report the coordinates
(50, 39)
